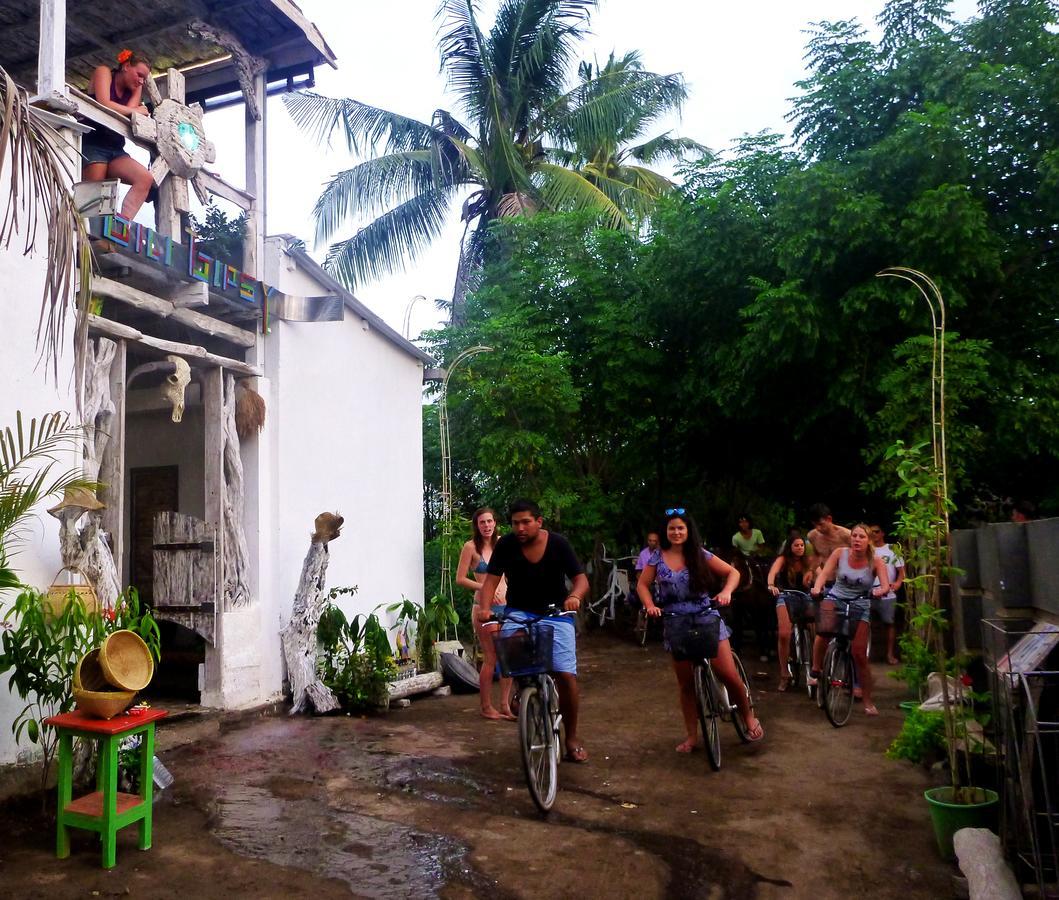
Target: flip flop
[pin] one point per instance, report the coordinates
(759, 731)
(784, 684)
(576, 755)
(870, 710)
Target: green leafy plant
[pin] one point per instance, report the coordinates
(356, 660)
(431, 621)
(921, 739)
(41, 652)
(221, 236)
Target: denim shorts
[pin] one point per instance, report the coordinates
(102, 148)
(886, 607)
(859, 610)
(564, 637)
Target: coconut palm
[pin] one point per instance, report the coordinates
(513, 156)
(614, 162)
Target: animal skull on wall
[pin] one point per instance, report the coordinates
(176, 384)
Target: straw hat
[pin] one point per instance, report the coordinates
(77, 500)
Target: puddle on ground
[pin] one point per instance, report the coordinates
(286, 822)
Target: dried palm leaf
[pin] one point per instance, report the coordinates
(40, 200)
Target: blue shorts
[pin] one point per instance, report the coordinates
(859, 610)
(564, 637)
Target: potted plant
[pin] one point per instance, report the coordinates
(430, 620)
(922, 480)
(923, 532)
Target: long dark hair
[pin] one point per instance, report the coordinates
(700, 579)
(479, 538)
(795, 565)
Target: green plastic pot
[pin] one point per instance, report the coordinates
(948, 817)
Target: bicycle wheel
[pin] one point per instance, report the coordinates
(805, 655)
(838, 678)
(709, 715)
(539, 761)
(821, 682)
(737, 716)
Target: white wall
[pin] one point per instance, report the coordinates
(26, 384)
(345, 434)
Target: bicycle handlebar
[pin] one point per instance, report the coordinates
(554, 612)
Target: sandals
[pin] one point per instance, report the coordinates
(756, 734)
(784, 684)
(870, 709)
(576, 754)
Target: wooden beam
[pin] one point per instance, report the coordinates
(112, 472)
(99, 115)
(123, 293)
(188, 293)
(195, 355)
(214, 327)
(217, 185)
(51, 56)
(254, 243)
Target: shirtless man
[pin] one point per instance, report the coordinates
(826, 536)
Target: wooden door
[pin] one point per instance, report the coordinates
(155, 489)
(185, 573)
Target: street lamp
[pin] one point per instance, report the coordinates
(446, 469)
(406, 330)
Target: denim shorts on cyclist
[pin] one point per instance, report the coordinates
(564, 636)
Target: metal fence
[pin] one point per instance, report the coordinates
(1023, 662)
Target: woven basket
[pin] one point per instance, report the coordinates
(103, 704)
(89, 674)
(58, 596)
(126, 661)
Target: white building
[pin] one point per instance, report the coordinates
(342, 429)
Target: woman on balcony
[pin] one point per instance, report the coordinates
(121, 90)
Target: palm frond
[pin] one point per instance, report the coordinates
(364, 128)
(632, 188)
(41, 202)
(562, 189)
(390, 241)
(666, 147)
(616, 106)
(376, 185)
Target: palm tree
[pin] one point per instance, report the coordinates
(612, 162)
(516, 155)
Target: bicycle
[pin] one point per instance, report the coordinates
(835, 688)
(714, 705)
(800, 656)
(606, 604)
(526, 656)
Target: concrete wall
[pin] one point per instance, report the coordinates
(344, 433)
(27, 385)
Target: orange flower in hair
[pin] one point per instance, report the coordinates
(124, 56)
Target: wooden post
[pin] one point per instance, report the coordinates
(51, 57)
(253, 246)
(112, 469)
(213, 412)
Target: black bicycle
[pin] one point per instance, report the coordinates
(526, 656)
(838, 676)
(801, 610)
(711, 695)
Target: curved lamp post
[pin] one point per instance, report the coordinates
(408, 315)
(446, 468)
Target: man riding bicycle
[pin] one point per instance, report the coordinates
(537, 564)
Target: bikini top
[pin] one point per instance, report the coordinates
(482, 567)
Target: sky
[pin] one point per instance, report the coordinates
(740, 60)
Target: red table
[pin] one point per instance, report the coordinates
(106, 810)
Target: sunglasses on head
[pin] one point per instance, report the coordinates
(675, 511)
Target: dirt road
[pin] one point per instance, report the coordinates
(429, 802)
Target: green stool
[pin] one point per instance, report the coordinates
(107, 809)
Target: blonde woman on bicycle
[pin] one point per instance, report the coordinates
(681, 568)
(854, 570)
(474, 560)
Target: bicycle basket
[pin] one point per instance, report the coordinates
(527, 651)
(800, 607)
(693, 636)
(833, 619)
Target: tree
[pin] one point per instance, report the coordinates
(512, 154)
